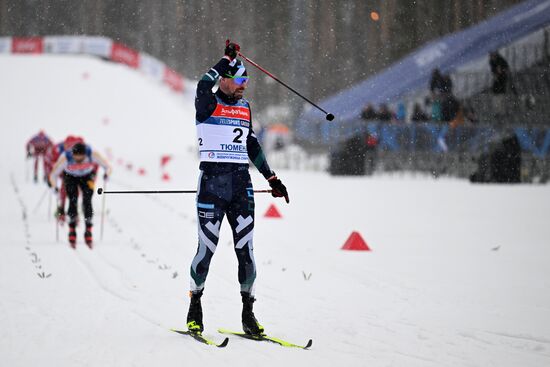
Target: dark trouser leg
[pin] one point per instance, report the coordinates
(71, 188)
(210, 213)
(86, 185)
(241, 218)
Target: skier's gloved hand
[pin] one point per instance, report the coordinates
(105, 177)
(278, 190)
(231, 49)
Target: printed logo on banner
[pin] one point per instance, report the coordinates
(27, 45)
(151, 66)
(63, 45)
(99, 46)
(173, 79)
(5, 45)
(125, 55)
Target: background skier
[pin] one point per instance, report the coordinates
(79, 165)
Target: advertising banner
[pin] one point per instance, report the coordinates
(63, 44)
(151, 66)
(27, 45)
(125, 55)
(5, 45)
(173, 79)
(98, 46)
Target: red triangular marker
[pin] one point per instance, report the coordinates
(165, 159)
(355, 243)
(165, 177)
(272, 212)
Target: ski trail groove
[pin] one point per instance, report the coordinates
(35, 258)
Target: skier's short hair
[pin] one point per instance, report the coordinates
(79, 148)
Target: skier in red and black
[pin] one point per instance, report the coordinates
(36, 147)
(226, 143)
(51, 157)
(79, 166)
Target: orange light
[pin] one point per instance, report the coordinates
(374, 16)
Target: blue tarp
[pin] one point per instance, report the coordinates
(414, 71)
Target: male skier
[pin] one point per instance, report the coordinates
(226, 142)
(79, 166)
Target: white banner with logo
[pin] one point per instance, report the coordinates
(99, 46)
(151, 66)
(5, 45)
(63, 44)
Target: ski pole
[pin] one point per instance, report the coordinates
(49, 206)
(40, 200)
(100, 191)
(329, 116)
(56, 229)
(102, 208)
(27, 170)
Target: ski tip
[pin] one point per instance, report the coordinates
(309, 344)
(224, 343)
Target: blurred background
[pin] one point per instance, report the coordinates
(328, 48)
(320, 47)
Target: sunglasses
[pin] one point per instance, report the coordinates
(239, 80)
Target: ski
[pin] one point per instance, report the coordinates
(198, 337)
(264, 337)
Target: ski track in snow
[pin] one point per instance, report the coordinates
(457, 280)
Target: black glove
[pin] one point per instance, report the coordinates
(105, 177)
(29, 154)
(231, 49)
(278, 190)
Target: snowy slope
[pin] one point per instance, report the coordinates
(457, 275)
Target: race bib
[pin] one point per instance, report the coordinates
(222, 137)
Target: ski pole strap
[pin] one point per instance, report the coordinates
(100, 191)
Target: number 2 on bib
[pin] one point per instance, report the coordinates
(239, 135)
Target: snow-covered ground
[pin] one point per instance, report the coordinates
(458, 274)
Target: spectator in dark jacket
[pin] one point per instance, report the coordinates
(501, 75)
(418, 114)
(437, 82)
(500, 71)
(384, 114)
(369, 113)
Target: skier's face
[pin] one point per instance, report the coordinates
(79, 158)
(234, 87)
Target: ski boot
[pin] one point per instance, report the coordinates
(72, 234)
(251, 326)
(88, 235)
(194, 316)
